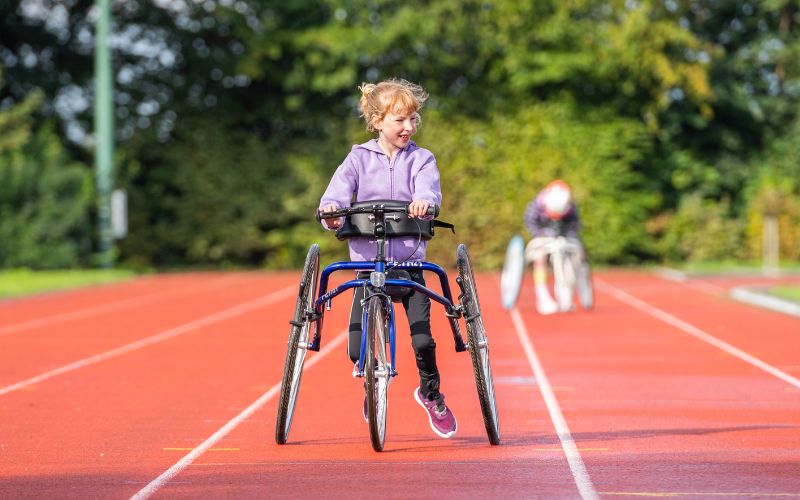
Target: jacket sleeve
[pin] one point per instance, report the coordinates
(427, 184)
(341, 187)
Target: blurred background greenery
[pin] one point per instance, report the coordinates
(676, 123)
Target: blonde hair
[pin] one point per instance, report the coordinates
(394, 95)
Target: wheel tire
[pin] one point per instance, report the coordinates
(478, 345)
(513, 272)
(297, 345)
(585, 286)
(564, 287)
(377, 372)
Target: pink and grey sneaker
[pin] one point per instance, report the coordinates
(442, 420)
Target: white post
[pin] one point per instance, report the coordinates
(771, 246)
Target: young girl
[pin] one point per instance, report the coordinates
(393, 167)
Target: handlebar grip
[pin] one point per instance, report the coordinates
(328, 215)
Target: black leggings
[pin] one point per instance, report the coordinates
(418, 310)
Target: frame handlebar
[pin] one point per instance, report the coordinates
(378, 207)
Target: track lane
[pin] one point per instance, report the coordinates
(675, 415)
(766, 335)
(27, 355)
(16, 313)
(103, 430)
(329, 454)
(651, 409)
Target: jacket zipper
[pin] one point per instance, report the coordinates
(391, 197)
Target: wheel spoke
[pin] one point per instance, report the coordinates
(297, 346)
(377, 372)
(478, 346)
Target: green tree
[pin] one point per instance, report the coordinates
(45, 198)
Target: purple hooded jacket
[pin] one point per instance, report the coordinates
(366, 174)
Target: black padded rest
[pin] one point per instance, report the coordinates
(361, 225)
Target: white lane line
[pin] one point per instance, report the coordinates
(681, 277)
(159, 337)
(747, 295)
(98, 309)
(232, 424)
(579, 473)
(693, 331)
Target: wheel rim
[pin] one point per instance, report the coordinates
(297, 373)
(298, 344)
(381, 381)
(585, 287)
(486, 370)
(483, 347)
(378, 372)
(513, 271)
(479, 348)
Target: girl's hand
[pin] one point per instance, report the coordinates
(331, 223)
(418, 208)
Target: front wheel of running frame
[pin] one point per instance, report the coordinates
(297, 345)
(377, 371)
(585, 286)
(478, 345)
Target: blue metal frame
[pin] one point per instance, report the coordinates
(390, 313)
(324, 297)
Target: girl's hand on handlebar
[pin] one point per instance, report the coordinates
(331, 223)
(418, 208)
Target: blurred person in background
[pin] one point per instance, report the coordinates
(550, 214)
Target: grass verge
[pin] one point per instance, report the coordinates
(19, 282)
(786, 292)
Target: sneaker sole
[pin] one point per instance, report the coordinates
(430, 419)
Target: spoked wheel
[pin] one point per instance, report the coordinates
(513, 271)
(478, 345)
(377, 372)
(298, 344)
(585, 286)
(563, 280)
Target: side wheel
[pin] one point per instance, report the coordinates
(513, 272)
(478, 345)
(298, 343)
(564, 280)
(377, 372)
(585, 286)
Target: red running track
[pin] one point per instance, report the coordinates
(164, 387)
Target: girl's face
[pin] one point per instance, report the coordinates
(395, 130)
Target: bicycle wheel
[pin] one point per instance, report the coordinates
(585, 286)
(563, 280)
(513, 271)
(377, 372)
(478, 345)
(298, 343)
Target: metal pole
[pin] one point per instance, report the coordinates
(771, 246)
(104, 132)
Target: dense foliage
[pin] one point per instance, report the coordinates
(675, 122)
(45, 197)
